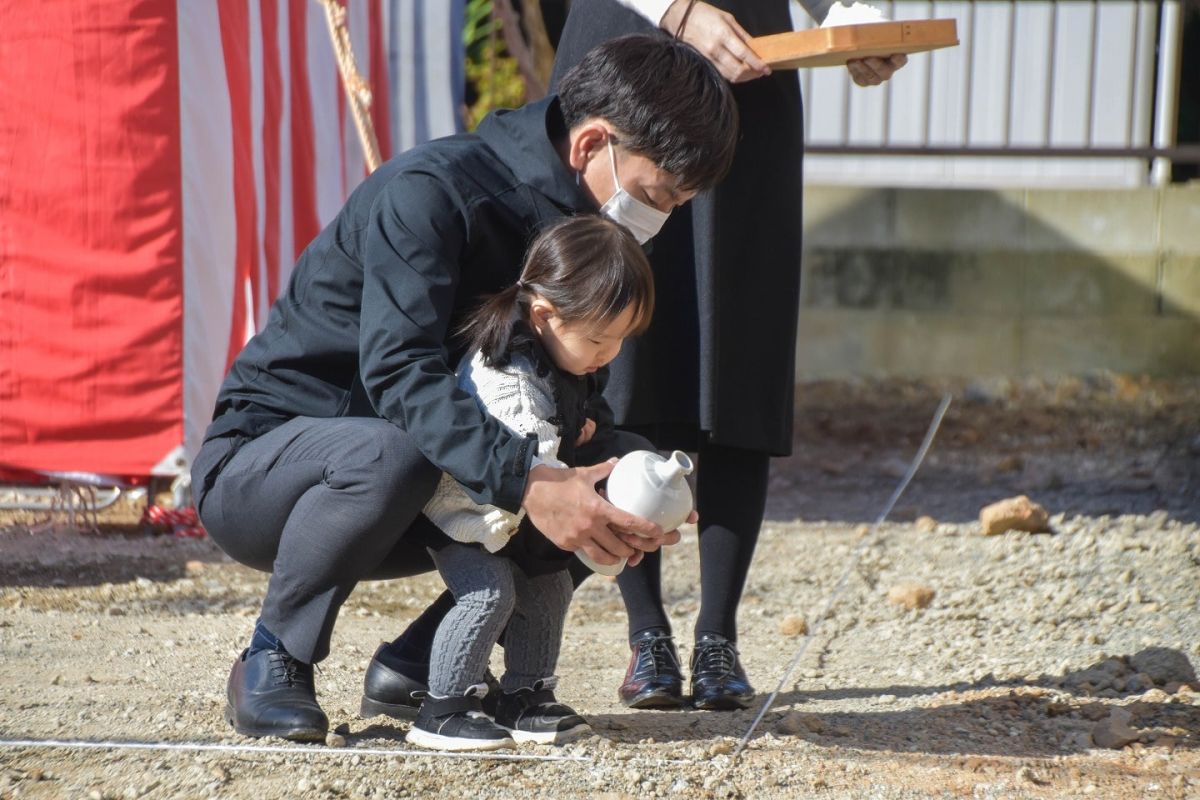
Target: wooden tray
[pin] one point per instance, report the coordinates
(828, 47)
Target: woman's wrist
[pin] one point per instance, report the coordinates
(673, 16)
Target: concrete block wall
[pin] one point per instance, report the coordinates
(977, 283)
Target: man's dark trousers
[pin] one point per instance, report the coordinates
(322, 504)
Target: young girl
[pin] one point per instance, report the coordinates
(536, 356)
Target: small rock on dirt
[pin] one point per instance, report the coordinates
(1014, 514)
(926, 524)
(1113, 732)
(798, 722)
(1164, 665)
(910, 595)
(793, 626)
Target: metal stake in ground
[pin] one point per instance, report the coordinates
(867, 541)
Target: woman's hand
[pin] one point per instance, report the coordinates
(874, 71)
(719, 38)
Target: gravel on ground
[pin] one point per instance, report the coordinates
(952, 664)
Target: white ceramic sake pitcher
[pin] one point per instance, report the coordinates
(654, 488)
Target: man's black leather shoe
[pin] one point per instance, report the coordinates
(387, 688)
(718, 681)
(272, 694)
(653, 679)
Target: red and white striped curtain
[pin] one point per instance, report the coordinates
(162, 165)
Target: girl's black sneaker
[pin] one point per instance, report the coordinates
(457, 724)
(532, 714)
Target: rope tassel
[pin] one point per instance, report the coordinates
(358, 91)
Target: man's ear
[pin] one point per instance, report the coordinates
(587, 139)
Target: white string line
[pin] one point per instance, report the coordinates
(840, 586)
(47, 744)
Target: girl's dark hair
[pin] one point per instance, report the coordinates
(667, 102)
(588, 268)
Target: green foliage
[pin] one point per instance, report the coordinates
(492, 75)
(478, 26)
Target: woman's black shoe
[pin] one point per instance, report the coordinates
(270, 693)
(718, 681)
(653, 679)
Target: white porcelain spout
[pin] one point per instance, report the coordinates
(673, 468)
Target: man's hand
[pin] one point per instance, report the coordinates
(874, 71)
(719, 38)
(563, 504)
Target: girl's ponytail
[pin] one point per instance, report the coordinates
(489, 327)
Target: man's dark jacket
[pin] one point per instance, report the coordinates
(365, 326)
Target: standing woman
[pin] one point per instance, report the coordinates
(715, 373)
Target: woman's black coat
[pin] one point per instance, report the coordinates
(719, 358)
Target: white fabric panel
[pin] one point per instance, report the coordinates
(442, 45)
(286, 229)
(652, 10)
(209, 226)
(426, 69)
(325, 87)
(404, 82)
(256, 308)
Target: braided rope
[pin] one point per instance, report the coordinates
(358, 91)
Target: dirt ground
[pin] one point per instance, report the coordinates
(1045, 665)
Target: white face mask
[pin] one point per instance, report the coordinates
(642, 220)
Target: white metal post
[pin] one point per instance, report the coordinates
(1166, 106)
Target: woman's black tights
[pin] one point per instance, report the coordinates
(731, 496)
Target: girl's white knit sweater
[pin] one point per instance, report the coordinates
(516, 396)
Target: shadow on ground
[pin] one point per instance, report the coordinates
(1010, 718)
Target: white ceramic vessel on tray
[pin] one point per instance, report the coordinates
(653, 487)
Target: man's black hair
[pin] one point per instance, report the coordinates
(667, 102)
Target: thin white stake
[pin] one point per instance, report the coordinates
(315, 750)
(838, 588)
